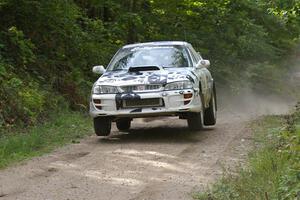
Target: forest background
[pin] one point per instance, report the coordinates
(47, 48)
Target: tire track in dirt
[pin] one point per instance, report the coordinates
(158, 159)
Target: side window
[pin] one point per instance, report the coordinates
(199, 55)
(196, 55)
(193, 56)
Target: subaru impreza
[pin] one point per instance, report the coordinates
(153, 79)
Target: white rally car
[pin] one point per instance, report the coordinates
(153, 79)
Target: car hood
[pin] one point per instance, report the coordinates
(163, 76)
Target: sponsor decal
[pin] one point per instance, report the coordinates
(147, 77)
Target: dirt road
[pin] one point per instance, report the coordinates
(158, 160)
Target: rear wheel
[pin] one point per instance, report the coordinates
(210, 113)
(102, 126)
(123, 124)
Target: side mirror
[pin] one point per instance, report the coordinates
(203, 63)
(99, 69)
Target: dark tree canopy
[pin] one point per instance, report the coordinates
(47, 48)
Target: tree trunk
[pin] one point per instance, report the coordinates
(132, 36)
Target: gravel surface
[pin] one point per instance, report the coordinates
(157, 159)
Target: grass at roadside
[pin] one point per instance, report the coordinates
(273, 170)
(63, 128)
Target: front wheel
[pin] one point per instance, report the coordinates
(102, 126)
(210, 113)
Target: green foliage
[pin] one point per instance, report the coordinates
(64, 127)
(47, 48)
(21, 45)
(273, 171)
(33, 100)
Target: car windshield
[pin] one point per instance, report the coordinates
(162, 56)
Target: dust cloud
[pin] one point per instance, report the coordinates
(250, 104)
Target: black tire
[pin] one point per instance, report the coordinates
(195, 121)
(123, 124)
(102, 126)
(210, 113)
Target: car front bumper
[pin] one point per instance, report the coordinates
(174, 102)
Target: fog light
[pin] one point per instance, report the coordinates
(188, 96)
(97, 101)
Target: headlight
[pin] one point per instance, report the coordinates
(105, 89)
(180, 85)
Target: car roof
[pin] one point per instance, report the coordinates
(158, 43)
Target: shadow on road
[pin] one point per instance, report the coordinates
(157, 135)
